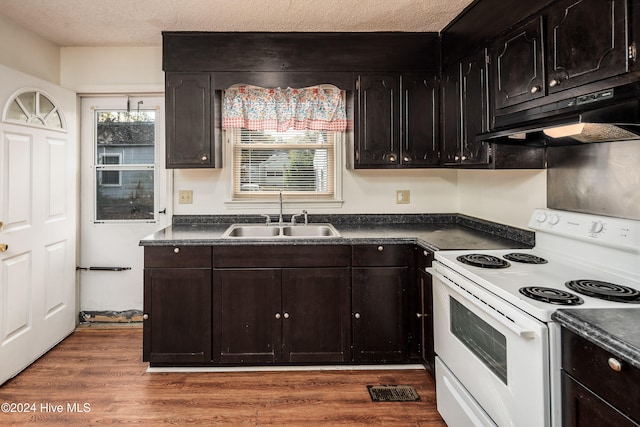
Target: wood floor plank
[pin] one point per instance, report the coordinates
(96, 377)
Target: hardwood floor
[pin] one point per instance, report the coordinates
(96, 376)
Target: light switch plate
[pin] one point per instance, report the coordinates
(185, 197)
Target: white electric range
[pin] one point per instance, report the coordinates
(497, 347)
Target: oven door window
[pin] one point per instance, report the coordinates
(489, 345)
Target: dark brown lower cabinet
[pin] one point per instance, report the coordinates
(281, 315)
(177, 305)
(379, 321)
(598, 388)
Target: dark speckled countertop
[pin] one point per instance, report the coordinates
(615, 330)
(435, 232)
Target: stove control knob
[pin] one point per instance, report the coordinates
(554, 219)
(597, 227)
(541, 217)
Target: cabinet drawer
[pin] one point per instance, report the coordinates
(177, 256)
(589, 364)
(381, 255)
(284, 256)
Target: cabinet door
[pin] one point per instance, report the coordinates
(587, 42)
(379, 322)
(451, 115)
(419, 112)
(177, 302)
(188, 120)
(517, 66)
(475, 109)
(247, 320)
(582, 408)
(378, 132)
(316, 315)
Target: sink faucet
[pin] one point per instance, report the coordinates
(280, 217)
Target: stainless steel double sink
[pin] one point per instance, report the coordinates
(275, 231)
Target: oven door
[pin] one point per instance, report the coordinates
(496, 352)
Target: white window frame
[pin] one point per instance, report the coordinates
(102, 168)
(292, 200)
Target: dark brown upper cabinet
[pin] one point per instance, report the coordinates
(517, 66)
(396, 119)
(571, 48)
(189, 120)
(464, 105)
(588, 41)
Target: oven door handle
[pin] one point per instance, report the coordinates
(483, 306)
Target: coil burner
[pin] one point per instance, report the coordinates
(550, 295)
(483, 260)
(525, 258)
(604, 290)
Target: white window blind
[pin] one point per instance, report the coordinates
(300, 163)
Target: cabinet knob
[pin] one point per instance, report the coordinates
(286, 315)
(380, 248)
(425, 253)
(176, 250)
(419, 315)
(145, 316)
(535, 89)
(406, 159)
(615, 364)
(204, 158)
(278, 316)
(357, 315)
(554, 82)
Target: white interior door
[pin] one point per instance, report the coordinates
(123, 197)
(38, 164)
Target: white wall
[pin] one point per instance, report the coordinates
(25, 51)
(126, 70)
(504, 196)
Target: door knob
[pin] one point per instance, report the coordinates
(4, 247)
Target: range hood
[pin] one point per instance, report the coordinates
(597, 117)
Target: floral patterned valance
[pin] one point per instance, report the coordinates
(256, 108)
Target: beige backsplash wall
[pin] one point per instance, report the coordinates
(504, 196)
(364, 191)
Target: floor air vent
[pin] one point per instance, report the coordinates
(393, 393)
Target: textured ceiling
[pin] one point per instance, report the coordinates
(140, 22)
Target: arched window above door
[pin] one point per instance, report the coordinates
(33, 107)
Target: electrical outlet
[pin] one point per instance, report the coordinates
(185, 197)
(403, 197)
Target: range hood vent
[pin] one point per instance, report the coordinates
(618, 120)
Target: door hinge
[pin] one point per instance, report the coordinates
(632, 52)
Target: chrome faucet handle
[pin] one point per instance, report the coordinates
(306, 217)
(293, 219)
(268, 221)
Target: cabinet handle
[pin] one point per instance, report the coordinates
(535, 89)
(176, 250)
(145, 316)
(357, 315)
(615, 364)
(380, 248)
(286, 315)
(554, 82)
(278, 316)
